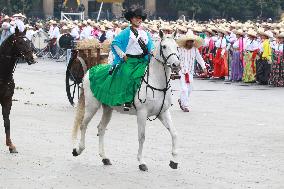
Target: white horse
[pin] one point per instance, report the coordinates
(152, 99)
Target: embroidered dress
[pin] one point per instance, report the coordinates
(208, 53)
(237, 61)
(220, 61)
(121, 86)
(263, 66)
(277, 71)
(250, 55)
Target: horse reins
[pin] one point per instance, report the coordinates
(164, 90)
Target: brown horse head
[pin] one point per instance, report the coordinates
(22, 46)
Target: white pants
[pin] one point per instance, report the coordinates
(186, 89)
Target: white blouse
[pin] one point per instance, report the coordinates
(252, 45)
(278, 47)
(221, 43)
(236, 44)
(133, 46)
(206, 41)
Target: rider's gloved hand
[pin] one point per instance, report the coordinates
(111, 69)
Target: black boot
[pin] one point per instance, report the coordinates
(127, 106)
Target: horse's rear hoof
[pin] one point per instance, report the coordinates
(173, 165)
(75, 152)
(106, 162)
(143, 167)
(13, 150)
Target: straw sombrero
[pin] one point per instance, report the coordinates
(102, 28)
(85, 23)
(154, 29)
(19, 15)
(239, 32)
(166, 27)
(209, 30)
(109, 26)
(252, 33)
(6, 18)
(198, 41)
(281, 35)
(268, 34)
(221, 30)
(182, 28)
(197, 29)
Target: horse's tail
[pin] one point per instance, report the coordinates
(79, 114)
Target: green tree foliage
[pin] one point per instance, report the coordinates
(237, 9)
(14, 6)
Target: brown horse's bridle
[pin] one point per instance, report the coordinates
(21, 52)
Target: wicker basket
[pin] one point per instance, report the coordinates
(90, 49)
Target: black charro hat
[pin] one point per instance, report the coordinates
(136, 12)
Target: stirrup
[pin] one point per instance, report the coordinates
(126, 107)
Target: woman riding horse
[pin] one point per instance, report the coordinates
(13, 48)
(131, 48)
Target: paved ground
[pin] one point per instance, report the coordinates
(233, 137)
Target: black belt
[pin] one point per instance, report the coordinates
(136, 56)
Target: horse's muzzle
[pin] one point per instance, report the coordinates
(175, 67)
(32, 61)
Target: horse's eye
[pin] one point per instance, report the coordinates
(164, 46)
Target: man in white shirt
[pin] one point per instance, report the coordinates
(86, 31)
(19, 21)
(74, 32)
(189, 52)
(55, 34)
(30, 32)
(50, 27)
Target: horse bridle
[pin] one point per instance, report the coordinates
(165, 59)
(168, 86)
(21, 53)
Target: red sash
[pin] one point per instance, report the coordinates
(186, 77)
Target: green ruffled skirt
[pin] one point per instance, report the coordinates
(121, 86)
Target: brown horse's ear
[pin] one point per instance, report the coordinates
(161, 34)
(25, 31)
(17, 31)
(175, 34)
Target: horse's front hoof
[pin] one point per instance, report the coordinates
(106, 162)
(173, 165)
(143, 167)
(74, 153)
(13, 150)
